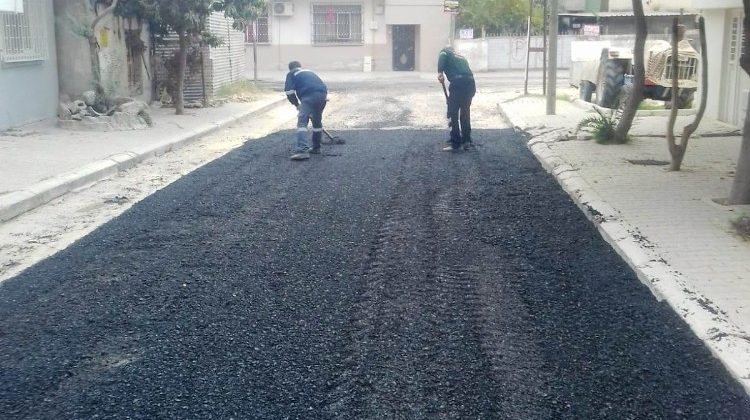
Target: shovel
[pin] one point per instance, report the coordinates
(333, 139)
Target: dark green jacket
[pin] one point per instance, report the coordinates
(453, 65)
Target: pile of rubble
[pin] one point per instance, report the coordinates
(91, 113)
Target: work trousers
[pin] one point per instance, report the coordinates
(310, 108)
(462, 91)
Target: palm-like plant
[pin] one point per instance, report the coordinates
(602, 126)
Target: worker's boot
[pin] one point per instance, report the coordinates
(316, 140)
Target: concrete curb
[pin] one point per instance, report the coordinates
(727, 342)
(21, 201)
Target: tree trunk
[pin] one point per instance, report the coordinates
(689, 129)
(96, 72)
(677, 151)
(741, 186)
(179, 102)
(96, 68)
(628, 113)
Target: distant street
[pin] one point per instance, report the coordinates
(382, 279)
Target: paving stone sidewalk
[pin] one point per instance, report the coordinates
(41, 161)
(666, 225)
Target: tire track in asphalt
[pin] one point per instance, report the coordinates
(437, 334)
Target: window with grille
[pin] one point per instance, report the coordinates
(734, 38)
(23, 36)
(337, 24)
(261, 26)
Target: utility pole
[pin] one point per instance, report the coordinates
(255, 49)
(544, 48)
(552, 73)
(528, 50)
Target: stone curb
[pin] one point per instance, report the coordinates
(726, 341)
(21, 201)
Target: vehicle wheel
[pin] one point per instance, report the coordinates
(685, 98)
(611, 81)
(626, 92)
(585, 90)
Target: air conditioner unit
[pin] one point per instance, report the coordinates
(283, 8)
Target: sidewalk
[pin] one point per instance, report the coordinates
(41, 161)
(664, 224)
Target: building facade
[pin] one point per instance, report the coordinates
(378, 35)
(28, 62)
(727, 101)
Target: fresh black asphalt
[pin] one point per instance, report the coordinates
(384, 279)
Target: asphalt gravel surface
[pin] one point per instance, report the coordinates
(382, 279)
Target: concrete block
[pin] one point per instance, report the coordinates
(15, 203)
(559, 170)
(613, 231)
(125, 160)
(632, 252)
(604, 209)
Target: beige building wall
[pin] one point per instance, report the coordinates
(74, 61)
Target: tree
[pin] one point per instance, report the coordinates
(636, 96)
(678, 150)
(499, 15)
(187, 19)
(741, 186)
(88, 31)
(96, 69)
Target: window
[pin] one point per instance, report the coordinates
(337, 24)
(734, 37)
(23, 36)
(262, 25)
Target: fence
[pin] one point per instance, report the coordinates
(508, 52)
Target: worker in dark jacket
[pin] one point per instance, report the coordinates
(308, 93)
(461, 91)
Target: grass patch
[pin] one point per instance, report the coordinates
(565, 97)
(240, 91)
(601, 126)
(646, 105)
(741, 225)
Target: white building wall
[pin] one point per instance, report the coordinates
(434, 27)
(652, 6)
(28, 90)
(719, 103)
(715, 24)
(290, 37)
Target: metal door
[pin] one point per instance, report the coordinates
(404, 45)
(736, 82)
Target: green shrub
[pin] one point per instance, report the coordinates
(602, 126)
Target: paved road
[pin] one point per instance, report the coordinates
(384, 279)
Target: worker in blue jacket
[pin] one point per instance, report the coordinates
(308, 93)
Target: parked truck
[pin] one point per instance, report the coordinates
(610, 75)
